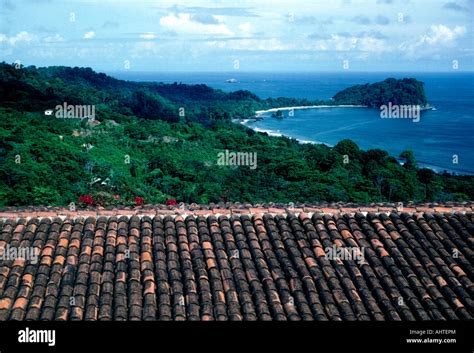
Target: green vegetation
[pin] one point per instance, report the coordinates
(33, 90)
(144, 148)
(407, 91)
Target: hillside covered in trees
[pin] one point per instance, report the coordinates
(152, 142)
(37, 89)
(407, 91)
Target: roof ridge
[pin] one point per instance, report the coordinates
(65, 213)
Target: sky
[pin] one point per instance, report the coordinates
(247, 35)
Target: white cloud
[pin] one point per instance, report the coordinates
(338, 42)
(148, 35)
(270, 44)
(334, 42)
(443, 35)
(89, 35)
(245, 29)
(22, 36)
(54, 39)
(439, 36)
(183, 22)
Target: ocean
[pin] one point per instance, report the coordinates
(442, 139)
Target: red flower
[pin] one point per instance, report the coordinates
(171, 202)
(138, 200)
(116, 196)
(87, 199)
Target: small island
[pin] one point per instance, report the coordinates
(407, 91)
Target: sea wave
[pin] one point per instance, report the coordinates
(313, 142)
(277, 133)
(269, 132)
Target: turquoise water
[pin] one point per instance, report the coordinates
(438, 139)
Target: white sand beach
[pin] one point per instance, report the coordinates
(261, 112)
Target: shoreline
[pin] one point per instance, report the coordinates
(259, 113)
(277, 133)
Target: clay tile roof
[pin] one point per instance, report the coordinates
(266, 262)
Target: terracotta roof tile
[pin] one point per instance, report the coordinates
(349, 210)
(258, 210)
(221, 211)
(312, 210)
(262, 263)
(330, 210)
(12, 215)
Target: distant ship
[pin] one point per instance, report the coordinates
(231, 80)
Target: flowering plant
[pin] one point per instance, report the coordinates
(138, 200)
(171, 202)
(105, 199)
(86, 200)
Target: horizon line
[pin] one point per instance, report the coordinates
(283, 71)
(340, 71)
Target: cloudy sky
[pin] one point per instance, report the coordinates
(251, 35)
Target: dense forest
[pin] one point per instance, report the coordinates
(407, 91)
(153, 142)
(33, 90)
